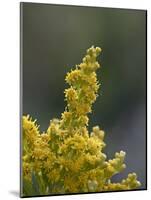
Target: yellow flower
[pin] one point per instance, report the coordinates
(73, 77)
(54, 175)
(67, 158)
(27, 170)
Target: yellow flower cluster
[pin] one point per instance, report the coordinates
(67, 158)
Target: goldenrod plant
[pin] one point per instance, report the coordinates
(67, 158)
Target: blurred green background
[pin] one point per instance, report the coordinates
(55, 38)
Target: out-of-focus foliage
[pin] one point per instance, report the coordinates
(67, 158)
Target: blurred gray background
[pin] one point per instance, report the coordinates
(56, 37)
